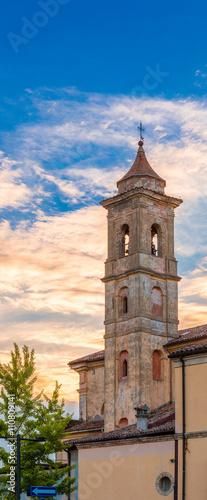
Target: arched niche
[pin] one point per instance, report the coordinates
(156, 243)
(157, 368)
(123, 301)
(123, 422)
(124, 242)
(123, 365)
(157, 302)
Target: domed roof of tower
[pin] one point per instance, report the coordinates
(141, 166)
(139, 170)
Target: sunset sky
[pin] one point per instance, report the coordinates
(71, 98)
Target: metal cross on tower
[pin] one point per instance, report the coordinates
(141, 129)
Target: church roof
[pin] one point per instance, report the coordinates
(90, 425)
(189, 334)
(196, 348)
(96, 356)
(161, 415)
(141, 167)
(161, 421)
(125, 433)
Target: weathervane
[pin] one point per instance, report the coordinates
(141, 129)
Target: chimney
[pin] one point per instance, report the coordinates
(142, 417)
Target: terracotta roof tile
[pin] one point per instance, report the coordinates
(197, 332)
(162, 410)
(161, 415)
(161, 420)
(141, 167)
(72, 423)
(91, 425)
(96, 356)
(196, 348)
(124, 433)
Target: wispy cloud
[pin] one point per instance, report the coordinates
(68, 188)
(201, 75)
(53, 242)
(13, 190)
(82, 144)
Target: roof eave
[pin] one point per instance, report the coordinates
(107, 202)
(104, 439)
(181, 353)
(156, 177)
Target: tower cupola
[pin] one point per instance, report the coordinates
(141, 175)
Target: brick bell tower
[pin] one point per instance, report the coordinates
(141, 300)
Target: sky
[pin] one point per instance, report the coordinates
(75, 80)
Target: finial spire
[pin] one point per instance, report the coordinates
(141, 129)
(141, 141)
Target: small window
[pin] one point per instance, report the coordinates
(123, 422)
(123, 301)
(124, 247)
(102, 410)
(155, 240)
(124, 368)
(126, 242)
(164, 484)
(125, 305)
(157, 365)
(123, 365)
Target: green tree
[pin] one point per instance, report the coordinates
(34, 416)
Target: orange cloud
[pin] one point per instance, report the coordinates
(50, 292)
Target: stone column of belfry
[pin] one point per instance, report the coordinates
(141, 280)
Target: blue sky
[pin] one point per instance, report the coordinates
(104, 47)
(72, 94)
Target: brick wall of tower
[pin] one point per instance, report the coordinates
(121, 395)
(139, 331)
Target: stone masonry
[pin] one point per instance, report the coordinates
(140, 292)
(91, 385)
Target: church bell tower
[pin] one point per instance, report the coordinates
(141, 281)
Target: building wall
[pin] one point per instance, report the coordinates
(95, 382)
(91, 383)
(146, 325)
(196, 466)
(196, 424)
(120, 472)
(108, 470)
(196, 400)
